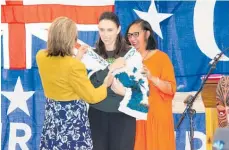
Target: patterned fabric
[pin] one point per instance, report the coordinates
(135, 101)
(110, 60)
(66, 126)
(222, 101)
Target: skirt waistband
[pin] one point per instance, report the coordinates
(67, 101)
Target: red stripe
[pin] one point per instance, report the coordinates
(12, 13)
(17, 52)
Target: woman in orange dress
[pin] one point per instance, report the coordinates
(157, 132)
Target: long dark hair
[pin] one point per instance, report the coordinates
(120, 44)
(151, 42)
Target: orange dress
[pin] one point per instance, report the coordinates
(157, 132)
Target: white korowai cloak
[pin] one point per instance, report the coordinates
(135, 101)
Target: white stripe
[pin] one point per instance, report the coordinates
(5, 32)
(80, 27)
(84, 27)
(28, 48)
(71, 2)
(81, 42)
(37, 26)
(41, 34)
(179, 106)
(3, 2)
(40, 30)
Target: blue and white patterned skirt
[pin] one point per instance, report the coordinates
(66, 126)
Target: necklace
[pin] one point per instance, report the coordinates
(143, 58)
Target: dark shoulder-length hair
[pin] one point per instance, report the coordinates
(120, 44)
(151, 42)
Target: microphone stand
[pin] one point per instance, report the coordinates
(189, 110)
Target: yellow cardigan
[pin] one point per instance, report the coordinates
(65, 79)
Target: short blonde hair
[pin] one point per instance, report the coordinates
(61, 37)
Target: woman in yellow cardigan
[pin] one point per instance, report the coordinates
(67, 89)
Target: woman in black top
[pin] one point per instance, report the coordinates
(111, 129)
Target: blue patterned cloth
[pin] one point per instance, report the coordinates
(66, 126)
(135, 101)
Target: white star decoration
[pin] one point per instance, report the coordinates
(18, 98)
(153, 17)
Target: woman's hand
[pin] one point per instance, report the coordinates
(108, 80)
(164, 86)
(81, 51)
(118, 63)
(118, 88)
(146, 73)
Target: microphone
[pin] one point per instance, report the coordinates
(188, 99)
(218, 56)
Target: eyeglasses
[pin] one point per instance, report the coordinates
(134, 34)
